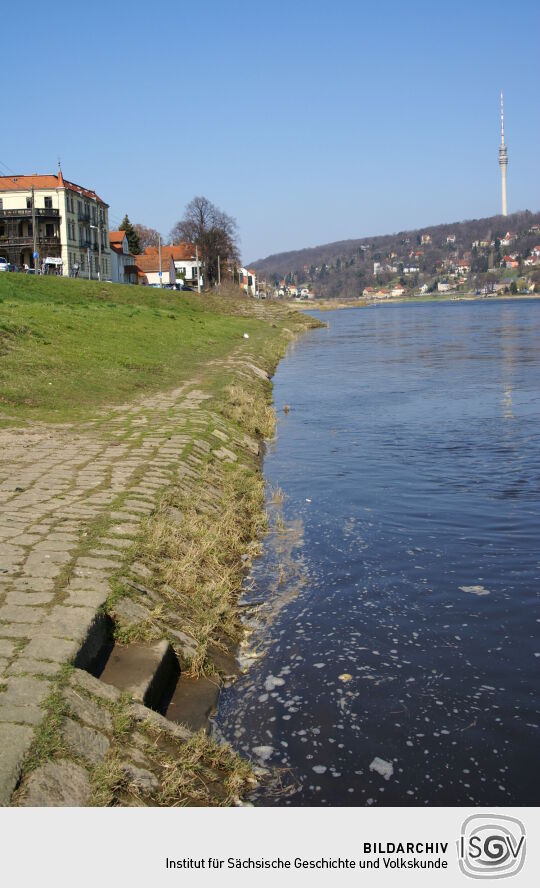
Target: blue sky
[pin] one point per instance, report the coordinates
(307, 121)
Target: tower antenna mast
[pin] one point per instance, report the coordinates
(503, 161)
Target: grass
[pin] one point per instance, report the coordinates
(199, 561)
(48, 742)
(204, 774)
(253, 413)
(70, 346)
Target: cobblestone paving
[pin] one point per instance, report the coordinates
(71, 502)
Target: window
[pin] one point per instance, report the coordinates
(28, 203)
(48, 203)
(1, 203)
(49, 229)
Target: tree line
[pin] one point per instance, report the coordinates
(203, 224)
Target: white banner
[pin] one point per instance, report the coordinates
(269, 847)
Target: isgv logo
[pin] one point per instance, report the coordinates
(491, 846)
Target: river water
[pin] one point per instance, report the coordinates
(394, 646)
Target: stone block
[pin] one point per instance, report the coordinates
(69, 622)
(17, 630)
(87, 710)
(80, 598)
(129, 612)
(27, 665)
(15, 741)
(56, 784)
(26, 599)
(94, 686)
(90, 745)
(47, 647)
(141, 778)
(225, 454)
(6, 647)
(12, 613)
(147, 716)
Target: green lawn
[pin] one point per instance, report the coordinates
(68, 346)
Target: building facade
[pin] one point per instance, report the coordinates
(123, 267)
(179, 265)
(153, 273)
(66, 225)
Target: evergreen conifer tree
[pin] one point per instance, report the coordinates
(134, 243)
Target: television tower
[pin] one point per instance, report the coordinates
(503, 161)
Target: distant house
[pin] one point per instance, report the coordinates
(450, 238)
(377, 267)
(398, 290)
(425, 239)
(184, 257)
(188, 266)
(381, 294)
(463, 267)
(148, 268)
(123, 268)
(509, 237)
(368, 292)
(411, 269)
(511, 261)
(248, 281)
(424, 288)
(444, 286)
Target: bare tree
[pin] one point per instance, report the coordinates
(148, 237)
(214, 232)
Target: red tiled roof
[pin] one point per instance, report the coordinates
(24, 183)
(145, 262)
(117, 237)
(178, 252)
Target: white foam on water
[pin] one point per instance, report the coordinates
(263, 752)
(475, 590)
(382, 767)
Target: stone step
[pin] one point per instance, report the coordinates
(149, 672)
(194, 701)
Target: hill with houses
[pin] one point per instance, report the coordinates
(492, 253)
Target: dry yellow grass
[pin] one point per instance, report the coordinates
(250, 410)
(199, 561)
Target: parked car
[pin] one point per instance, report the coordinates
(4, 264)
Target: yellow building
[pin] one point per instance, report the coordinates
(65, 224)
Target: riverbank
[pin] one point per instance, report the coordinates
(126, 529)
(334, 304)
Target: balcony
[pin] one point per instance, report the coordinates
(40, 212)
(83, 216)
(42, 242)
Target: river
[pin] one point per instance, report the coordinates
(394, 642)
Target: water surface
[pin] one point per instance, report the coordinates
(399, 616)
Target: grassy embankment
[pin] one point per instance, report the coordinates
(69, 346)
(71, 349)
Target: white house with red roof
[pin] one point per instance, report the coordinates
(248, 281)
(179, 264)
(123, 267)
(67, 225)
